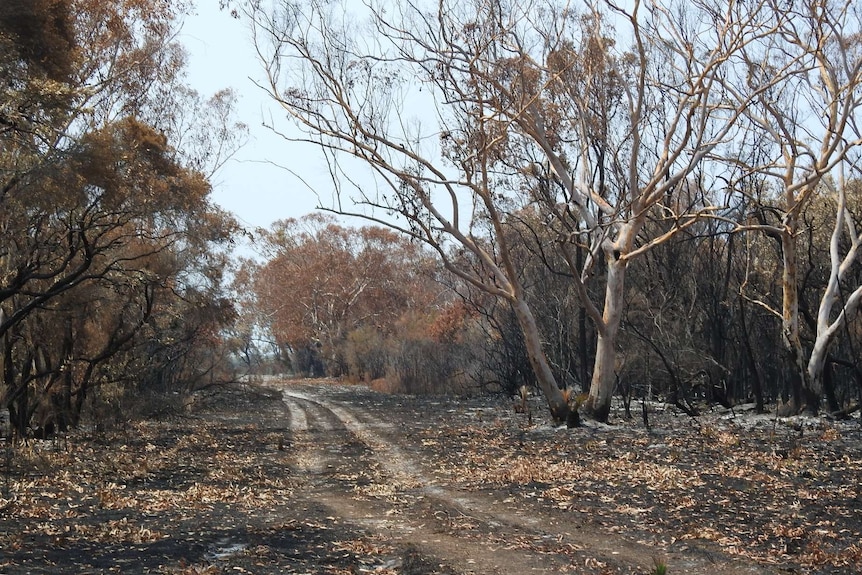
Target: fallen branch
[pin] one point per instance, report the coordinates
(844, 413)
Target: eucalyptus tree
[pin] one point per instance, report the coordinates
(323, 281)
(803, 139)
(92, 193)
(467, 112)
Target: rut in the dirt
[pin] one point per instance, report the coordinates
(360, 467)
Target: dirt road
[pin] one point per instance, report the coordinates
(370, 468)
(314, 477)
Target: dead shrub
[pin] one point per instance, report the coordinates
(365, 354)
(419, 366)
(384, 385)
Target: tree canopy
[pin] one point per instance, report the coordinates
(622, 126)
(112, 251)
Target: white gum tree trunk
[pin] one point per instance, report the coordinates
(539, 362)
(598, 403)
(829, 321)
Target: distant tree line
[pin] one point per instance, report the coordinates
(698, 328)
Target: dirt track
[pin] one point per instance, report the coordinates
(369, 469)
(319, 478)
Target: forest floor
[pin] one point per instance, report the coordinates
(318, 477)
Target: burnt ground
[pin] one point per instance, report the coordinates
(317, 477)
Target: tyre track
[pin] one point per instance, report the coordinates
(430, 509)
(297, 416)
(393, 461)
(322, 440)
(419, 514)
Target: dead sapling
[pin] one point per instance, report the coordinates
(522, 404)
(645, 415)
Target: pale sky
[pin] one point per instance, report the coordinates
(250, 185)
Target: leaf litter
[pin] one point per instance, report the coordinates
(171, 496)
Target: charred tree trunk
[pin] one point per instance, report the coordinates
(19, 403)
(77, 406)
(802, 395)
(829, 387)
(64, 418)
(756, 383)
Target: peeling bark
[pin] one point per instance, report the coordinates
(802, 395)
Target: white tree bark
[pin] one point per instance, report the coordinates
(829, 321)
(604, 378)
(806, 125)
